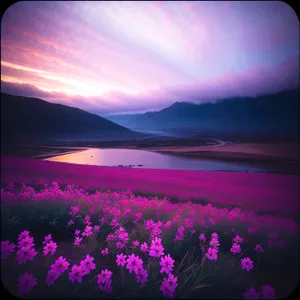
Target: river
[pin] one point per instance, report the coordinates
(151, 160)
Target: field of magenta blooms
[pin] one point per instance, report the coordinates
(63, 242)
(260, 192)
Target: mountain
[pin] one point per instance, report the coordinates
(264, 114)
(30, 118)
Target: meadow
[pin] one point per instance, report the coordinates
(260, 192)
(150, 151)
(64, 241)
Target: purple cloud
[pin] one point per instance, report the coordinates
(110, 57)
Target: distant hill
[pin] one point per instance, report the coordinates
(265, 114)
(30, 118)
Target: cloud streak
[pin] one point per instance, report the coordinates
(112, 57)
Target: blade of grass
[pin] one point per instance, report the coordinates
(181, 262)
(200, 286)
(188, 268)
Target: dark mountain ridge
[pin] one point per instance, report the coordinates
(269, 114)
(24, 117)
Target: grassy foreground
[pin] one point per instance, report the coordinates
(122, 246)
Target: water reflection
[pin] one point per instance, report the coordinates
(150, 160)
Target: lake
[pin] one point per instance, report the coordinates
(151, 160)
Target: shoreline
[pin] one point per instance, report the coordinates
(281, 157)
(49, 155)
(42, 152)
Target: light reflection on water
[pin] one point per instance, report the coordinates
(150, 160)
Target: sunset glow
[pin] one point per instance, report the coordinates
(113, 57)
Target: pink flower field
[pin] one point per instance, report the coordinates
(261, 192)
(150, 150)
(68, 242)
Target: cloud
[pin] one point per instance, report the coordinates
(21, 89)
(97, 56)
(254, 81)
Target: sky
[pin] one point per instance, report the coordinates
(111, 57)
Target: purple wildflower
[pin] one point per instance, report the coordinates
(251, 294)
(27, 241)
(102, 220)
(110, 237)
(60, 265)
(76, 274)
(77, 241)
(87, 220)
(114, 223)
(156, 251)
(169, 285)
(25, 253)
(6, 249)
(106, 286)
(259, 248)
(123, 236)
(134, 263)
(120, 245)
(88, 231)
(47, 239)
(155, 231)
(121, 260)
(167, 264)
(168, 225)
(26, 283)
(23, 235)
(212, 221)
(149, 224)
(71, 222)
(96, 228)
(135, 244)
(159, 224)
(236, 248)
(144, 247)
(202, 237)
(50, 247)
(87, 264)
(214, 243)
(247, 264)
(237, 239)
(104, 281)
(74, 210)
(212, 254)
(180, 234)
(138, 215)
(52, 276)
(214, 235)
(104, 276)
(141, 276)
(267, 292)
(105, 251)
